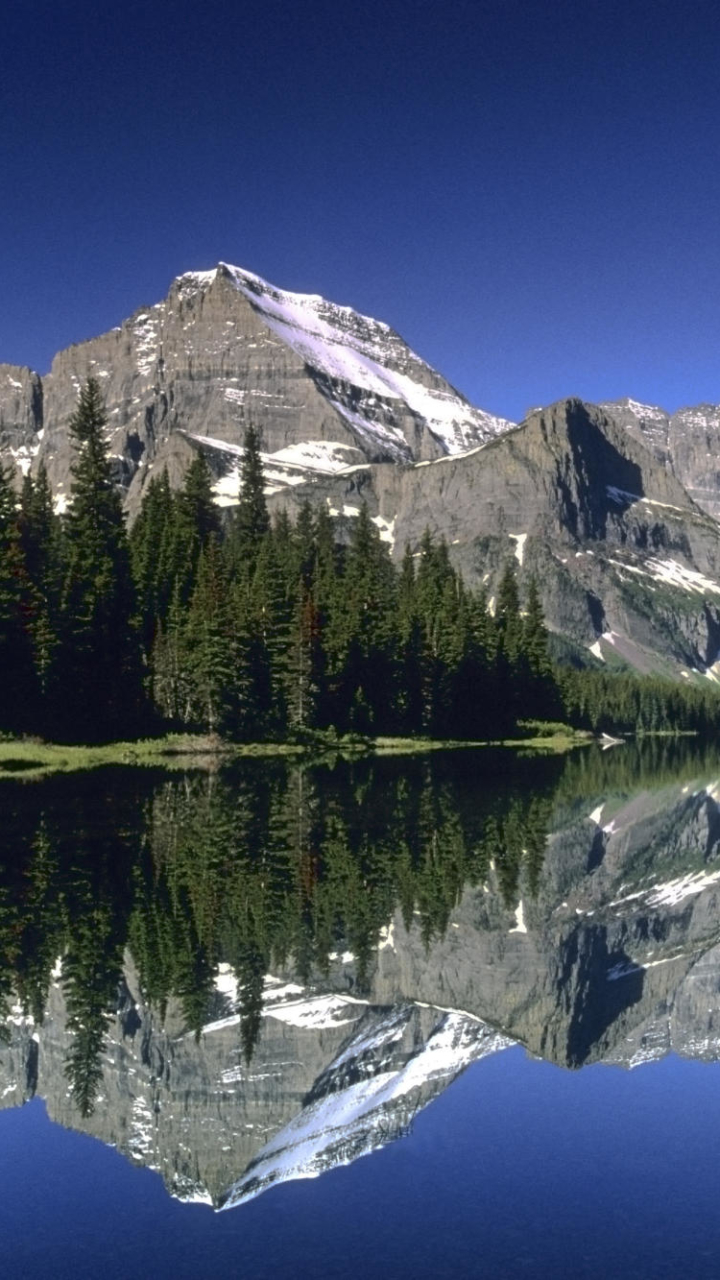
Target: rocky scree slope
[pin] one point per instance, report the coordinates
(326, 387)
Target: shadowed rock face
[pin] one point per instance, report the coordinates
(616, 959)
(21, 417)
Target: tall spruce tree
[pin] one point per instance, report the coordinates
(252, 522)
(542, 698)
(153, 548)
(102, 674)
(40, 537)
(194, 522)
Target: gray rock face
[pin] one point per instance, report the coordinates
(618, 958)
(687, 441)
(21, 416)
(332, 1078)
(225, 350)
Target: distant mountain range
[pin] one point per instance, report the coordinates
(613, 507)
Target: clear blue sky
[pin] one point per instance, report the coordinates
(528, 192)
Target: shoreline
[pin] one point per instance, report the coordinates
(27, 758)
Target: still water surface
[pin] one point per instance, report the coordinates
(499, 979)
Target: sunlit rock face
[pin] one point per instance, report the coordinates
(326, 387)
(688, 441)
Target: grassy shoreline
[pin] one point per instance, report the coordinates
(30, 758)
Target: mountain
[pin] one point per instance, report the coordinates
(628, 564)
(326, 387)
(332, 1078)
(610, 507)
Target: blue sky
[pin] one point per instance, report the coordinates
(529, 193)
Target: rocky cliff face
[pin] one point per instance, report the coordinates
(688, 442)
(325, 386)
(21, 416)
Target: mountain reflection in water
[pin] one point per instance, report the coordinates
(255, 975)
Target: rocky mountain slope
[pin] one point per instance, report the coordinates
(325, 386)
(687, 441)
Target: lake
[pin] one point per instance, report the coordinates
(496, 978)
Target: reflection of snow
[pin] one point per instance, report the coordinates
(348, 1122)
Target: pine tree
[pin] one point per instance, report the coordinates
(153, 548)
(195, 522)
(541, 696)
(252, 522)
(306, 664)
(40, 537)
(102, 674)
(364, 649)
(18, 699)
(208, 646)
(510, 665)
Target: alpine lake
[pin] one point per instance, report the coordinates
(496, 977)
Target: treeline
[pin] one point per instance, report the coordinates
(256, 629)
(250, 629)
(619, 702)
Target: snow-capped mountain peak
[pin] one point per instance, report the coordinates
(351, 350)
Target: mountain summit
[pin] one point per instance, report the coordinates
(325, 386)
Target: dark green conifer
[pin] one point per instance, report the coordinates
(102, 674)
(195, 521)
(252, 522)
(18, 705)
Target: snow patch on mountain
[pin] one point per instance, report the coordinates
(318, 1011)
(670, 572)
(293, 465)
(357, 351)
